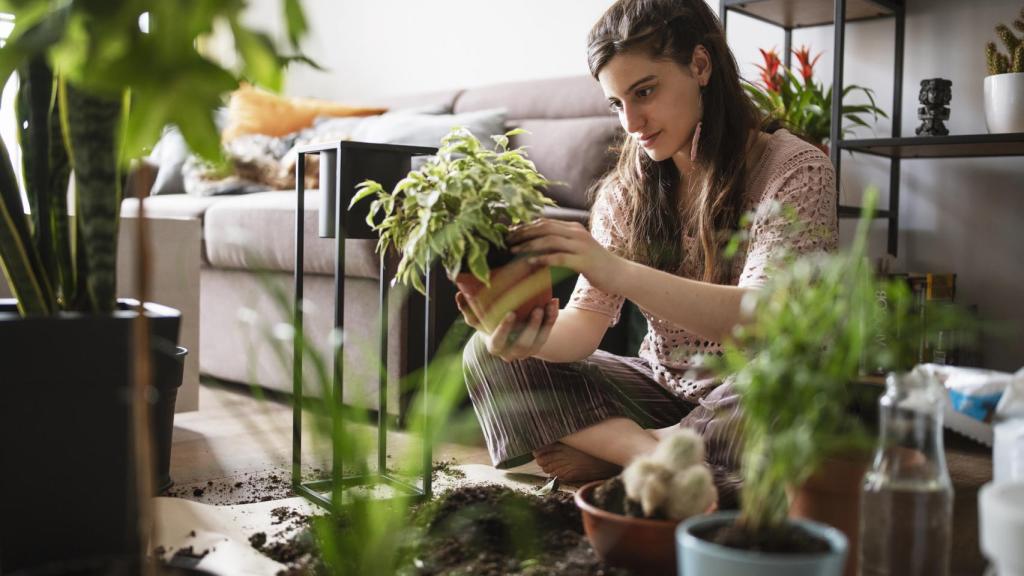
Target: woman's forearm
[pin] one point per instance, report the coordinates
(708, 310)
(575, 335)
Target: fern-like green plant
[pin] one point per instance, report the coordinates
(1013, 60)
(456, 207)
(95, 92)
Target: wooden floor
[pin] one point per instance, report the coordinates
(238, 448)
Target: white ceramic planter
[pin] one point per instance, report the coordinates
(1001, 523)
(1004, 102)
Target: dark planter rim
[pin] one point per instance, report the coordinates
(9, 311)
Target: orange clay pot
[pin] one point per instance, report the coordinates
(641, 545)
(517, 286)
(832, 496)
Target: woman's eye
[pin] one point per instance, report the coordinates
(645, 92)
(615, 106)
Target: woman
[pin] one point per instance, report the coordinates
(694, 160)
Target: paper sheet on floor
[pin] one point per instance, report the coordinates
(223, 531)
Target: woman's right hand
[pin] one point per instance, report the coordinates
(508, 340)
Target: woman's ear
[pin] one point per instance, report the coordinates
(700, 65)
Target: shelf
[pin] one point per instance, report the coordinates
(957, 146)
(792, 14)
(854, 212)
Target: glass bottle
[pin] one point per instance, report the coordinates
(907, 496)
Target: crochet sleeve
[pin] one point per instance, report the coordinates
(604, 216)
(806, 190)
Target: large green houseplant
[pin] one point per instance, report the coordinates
(457, 208)
(815, 328)
(96, 89)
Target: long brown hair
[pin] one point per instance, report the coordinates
(656, 216)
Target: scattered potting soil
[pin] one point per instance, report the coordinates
(784, 539)
(189, 553)
(472, 530)
(247, 488)
(493, 530)
(447, 468)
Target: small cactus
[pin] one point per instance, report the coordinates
(1013, 61)
(672, 481)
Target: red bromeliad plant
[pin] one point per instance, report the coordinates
(801, 104)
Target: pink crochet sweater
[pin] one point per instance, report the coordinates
(790, 172)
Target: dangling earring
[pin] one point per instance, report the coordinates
(696, 132)
(693, 144)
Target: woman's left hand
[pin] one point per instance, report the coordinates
(570, 245)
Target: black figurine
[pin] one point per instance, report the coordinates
(934, 98)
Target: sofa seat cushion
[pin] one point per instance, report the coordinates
(257, 231)
(174, 206)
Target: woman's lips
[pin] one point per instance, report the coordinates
(646, 141)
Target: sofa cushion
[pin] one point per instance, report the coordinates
(572, 97)
(178, 206)
(258, 231)
(573, 151)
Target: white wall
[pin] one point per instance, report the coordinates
(395, 47)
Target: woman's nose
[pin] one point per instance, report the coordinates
(632, 120)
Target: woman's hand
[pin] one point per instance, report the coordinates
(508, 340)
(570, 245)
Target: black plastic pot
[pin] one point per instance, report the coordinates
(168, 372)
(67, 487)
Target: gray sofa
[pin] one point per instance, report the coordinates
(248, 246)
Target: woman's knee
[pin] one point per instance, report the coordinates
(476, 353)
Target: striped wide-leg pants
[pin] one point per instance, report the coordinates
(526, 404)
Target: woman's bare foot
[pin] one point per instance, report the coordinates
(571, 465)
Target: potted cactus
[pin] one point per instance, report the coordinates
(1004, 86)
(458, 207)
(631, 519)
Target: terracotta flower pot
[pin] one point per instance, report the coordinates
(516, 286)
(832, 496)
(641, 545)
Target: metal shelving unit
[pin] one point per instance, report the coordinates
(793, 14)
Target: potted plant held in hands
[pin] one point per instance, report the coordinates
(458, 207)
(814, 326)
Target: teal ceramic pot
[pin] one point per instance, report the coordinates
(698, 557)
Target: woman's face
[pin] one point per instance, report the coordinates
(658, 101)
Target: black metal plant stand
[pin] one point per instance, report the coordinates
(343, 166)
